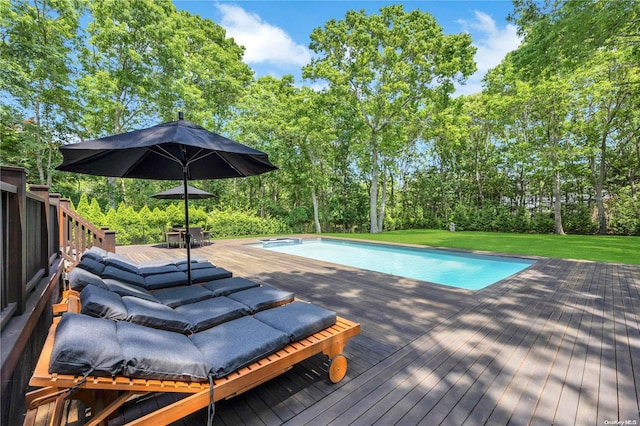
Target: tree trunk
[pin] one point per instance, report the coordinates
(383, 203)
(373, 195)
(49, 178)
(599, 179)
(316, 216)
(123, 187)
(38, 144)
(557, 202)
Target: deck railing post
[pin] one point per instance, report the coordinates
(65, 228)
(42, 191)
(17, 236)
(54, 225)
(109, 239)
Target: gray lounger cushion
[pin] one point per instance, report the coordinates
(122, 275)
(162, 262)
(156, 315)
(86, 345)
(79, 278)
(172, 279)
(225, 286)
(264, 297)
(178, 296)
(235, 344)
(91, 265)
(102, 303)
(125, 289)
(209, 274)
(211, 312)
(193, 260)
(160, 269)
(123, 264)
(159, 354)
(195, 265)
(298, 319)
(99, 251)
(92, 255)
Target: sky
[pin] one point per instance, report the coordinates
(275, 34)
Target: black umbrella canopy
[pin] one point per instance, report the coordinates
(162, 152)
(169, 151)
(177, 193)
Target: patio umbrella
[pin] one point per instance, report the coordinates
(169, 151)
(177, 193)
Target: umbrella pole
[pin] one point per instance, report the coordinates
(187, 236)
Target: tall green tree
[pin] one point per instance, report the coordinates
(37, 40)
(205, 74)
(387, 66)
(596, 45)
(144, 61)
(604, 105)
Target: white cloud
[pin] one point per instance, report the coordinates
(492, 45)
(263, 42)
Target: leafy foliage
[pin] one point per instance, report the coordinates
(147, 226)
(552, 144)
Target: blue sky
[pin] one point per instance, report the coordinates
(276, 33)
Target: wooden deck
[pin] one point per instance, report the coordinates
(556, 344)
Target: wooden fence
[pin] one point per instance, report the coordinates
(40, 238)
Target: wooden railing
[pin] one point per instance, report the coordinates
(40, 237)
(76, 235)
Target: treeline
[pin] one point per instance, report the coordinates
(552, 144)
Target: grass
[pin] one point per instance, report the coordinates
(603, 248)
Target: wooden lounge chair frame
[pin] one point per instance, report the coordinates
(104, 395)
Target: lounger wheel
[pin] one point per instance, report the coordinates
(337, 368)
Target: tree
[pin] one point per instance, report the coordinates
(563, 34)
(605, 89)
(143, 62)
(292, 124)
(387, 67)
(596, 45)
(35, 71)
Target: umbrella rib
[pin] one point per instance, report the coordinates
(164, 153)
(196, 158)
(208, 153)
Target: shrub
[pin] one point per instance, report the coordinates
(625, 217)
(227, 223)
(576, 219)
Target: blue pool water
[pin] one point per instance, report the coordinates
(468, 271)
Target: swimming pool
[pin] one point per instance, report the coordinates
(468, 271)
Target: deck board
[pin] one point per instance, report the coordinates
(558, 343)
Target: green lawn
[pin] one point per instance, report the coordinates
(589, 247)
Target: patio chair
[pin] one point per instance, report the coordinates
(173, 238)
(100, 255)
(202, 311)
(235, 356)
(148, 277)
(206, 237)
(196, 236)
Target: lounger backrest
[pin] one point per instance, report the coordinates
(77, 351)
(91, 265)
(103, 303)
(79, 278)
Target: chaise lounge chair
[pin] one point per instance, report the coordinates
(230, 370)
(186, 318)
